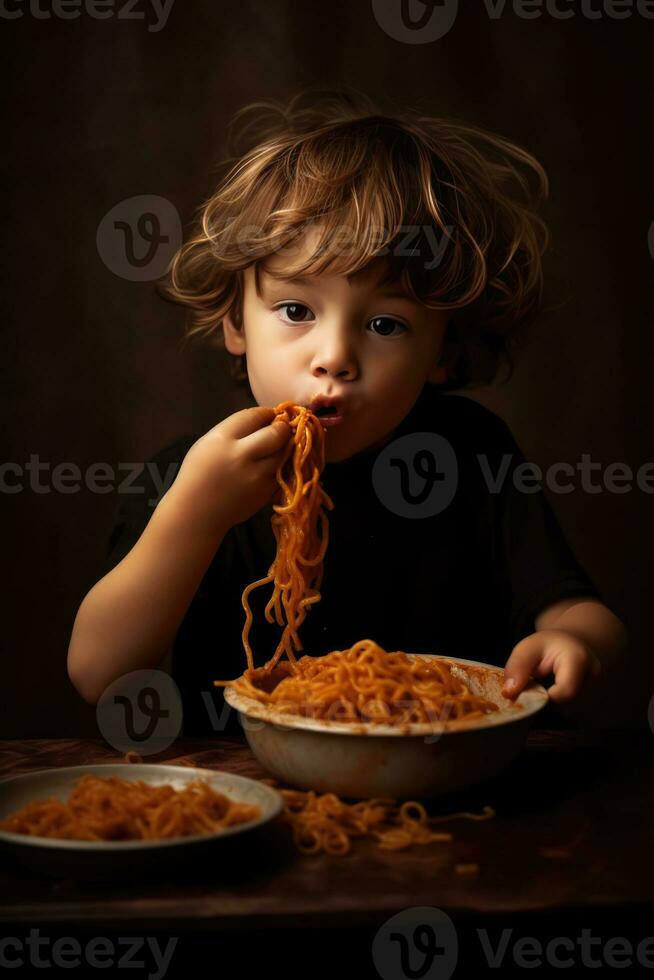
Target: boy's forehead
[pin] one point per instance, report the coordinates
(378, 272)
(375, 276)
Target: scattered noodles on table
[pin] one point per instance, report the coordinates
(325, 823)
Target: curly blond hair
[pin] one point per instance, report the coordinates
(333, 160)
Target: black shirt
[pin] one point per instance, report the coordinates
(465, 581)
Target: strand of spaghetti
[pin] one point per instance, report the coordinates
(301, 531)
(248, 617)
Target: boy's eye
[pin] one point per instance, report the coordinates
(386, 323)
(383, 324)
(294, 310)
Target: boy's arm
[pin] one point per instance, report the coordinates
(576, 639)
(591, 622)
(129, 618)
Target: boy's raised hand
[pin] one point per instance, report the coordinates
(230, 472)
(557, 652)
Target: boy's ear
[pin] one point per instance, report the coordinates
(440, 371)
(233, 334)
(438, 374)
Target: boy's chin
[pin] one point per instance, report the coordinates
(335, 453)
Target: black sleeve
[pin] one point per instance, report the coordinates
(537, 564)
(138, 495)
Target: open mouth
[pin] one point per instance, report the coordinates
(325, 410)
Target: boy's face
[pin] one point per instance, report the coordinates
(349, 339)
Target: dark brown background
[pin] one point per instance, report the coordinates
(103, 110)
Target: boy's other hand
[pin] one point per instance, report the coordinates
(545, 652)
(230, 472)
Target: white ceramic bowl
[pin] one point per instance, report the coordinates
(367, 760)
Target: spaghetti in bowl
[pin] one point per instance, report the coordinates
(358, 758)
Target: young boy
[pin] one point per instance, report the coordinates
(377, 262)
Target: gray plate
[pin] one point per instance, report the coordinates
(92, 859)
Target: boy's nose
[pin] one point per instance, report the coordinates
(335, 354)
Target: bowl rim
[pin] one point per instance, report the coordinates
(271, 806)
(529, 702)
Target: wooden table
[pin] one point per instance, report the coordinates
(570, 847)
